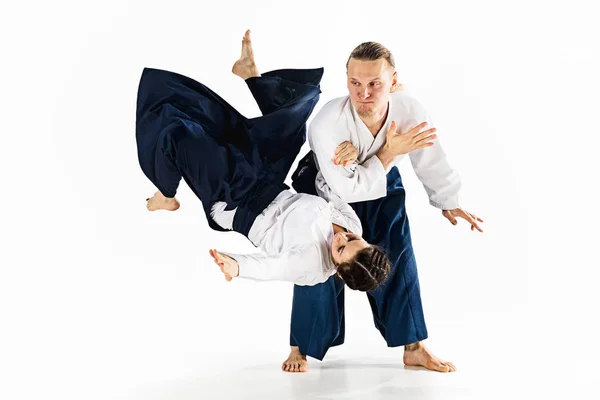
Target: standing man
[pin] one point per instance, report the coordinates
(356, 142)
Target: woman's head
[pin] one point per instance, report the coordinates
(361, 265)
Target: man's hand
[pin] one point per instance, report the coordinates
(459, 212)
(229, 267)
(402, 143)
(345, 154)
(414, 139)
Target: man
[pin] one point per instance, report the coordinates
(356, 142)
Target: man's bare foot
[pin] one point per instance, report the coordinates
(296, 362)
(245, 67)
(416, 354)
(160, 202)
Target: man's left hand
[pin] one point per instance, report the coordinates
(459, 212)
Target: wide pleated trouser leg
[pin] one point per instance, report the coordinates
(185, 130)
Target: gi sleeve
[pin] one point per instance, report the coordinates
(441, 182)
(290, 266)
(353, 183)
(344, 215)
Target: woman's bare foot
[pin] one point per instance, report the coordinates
(245, 67)
(416, 354)
(160, 202)
(296, 362)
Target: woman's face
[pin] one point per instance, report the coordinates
(345, 245)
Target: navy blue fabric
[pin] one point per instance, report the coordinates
(317, 321)
(303, 178)
(185, 130)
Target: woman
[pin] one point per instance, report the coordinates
(236, 166)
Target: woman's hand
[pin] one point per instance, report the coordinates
(229, 267)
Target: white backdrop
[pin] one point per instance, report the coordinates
(99, 296)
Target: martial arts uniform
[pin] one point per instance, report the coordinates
(236, 166)
(377, 195)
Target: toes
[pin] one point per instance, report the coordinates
(435, 365)
(442, 368)
(290, 366)
(451, 366)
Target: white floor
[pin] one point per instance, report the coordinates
(369, 376)
(372, 375)
(175, 367)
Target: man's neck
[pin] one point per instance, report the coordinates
(375, 123)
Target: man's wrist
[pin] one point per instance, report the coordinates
(385, 156)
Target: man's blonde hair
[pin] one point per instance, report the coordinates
(371, 51)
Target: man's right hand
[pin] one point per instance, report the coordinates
(345, 154)
(403, 143)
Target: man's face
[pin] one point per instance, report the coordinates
(369, 84)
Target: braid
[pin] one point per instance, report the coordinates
(367, 270)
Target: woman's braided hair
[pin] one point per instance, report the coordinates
(369, 268)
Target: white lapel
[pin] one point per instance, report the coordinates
(379, 139)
